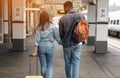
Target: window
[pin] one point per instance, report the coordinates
(114, 22)
(117, 22)
(111, 22)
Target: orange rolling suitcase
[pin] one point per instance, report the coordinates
(33, 76)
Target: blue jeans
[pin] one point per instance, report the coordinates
(72, 60)
(46, 54)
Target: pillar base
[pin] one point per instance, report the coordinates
(101, 47)
(6, 40)
(18, 45)
(91, 40)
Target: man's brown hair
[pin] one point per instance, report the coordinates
(68, 5)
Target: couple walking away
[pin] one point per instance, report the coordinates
(45, 35)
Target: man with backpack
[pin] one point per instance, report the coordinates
(72, 49)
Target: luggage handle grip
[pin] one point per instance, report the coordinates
(33, 56)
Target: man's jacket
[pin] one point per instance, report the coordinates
(65, 23)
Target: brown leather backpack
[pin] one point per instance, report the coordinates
(80, 31)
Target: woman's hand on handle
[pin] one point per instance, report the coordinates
(34, 53)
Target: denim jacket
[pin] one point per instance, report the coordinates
(65, 24)
(50, 33)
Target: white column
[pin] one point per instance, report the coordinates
(28, 18)
(102, 26)
(91, 21)
(19, 24)
(5, 21)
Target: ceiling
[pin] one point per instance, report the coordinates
(78, 4)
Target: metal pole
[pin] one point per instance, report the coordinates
(9, 20)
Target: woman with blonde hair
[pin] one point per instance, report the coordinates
(45, 34)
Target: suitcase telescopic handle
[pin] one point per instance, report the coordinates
(31, 56)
